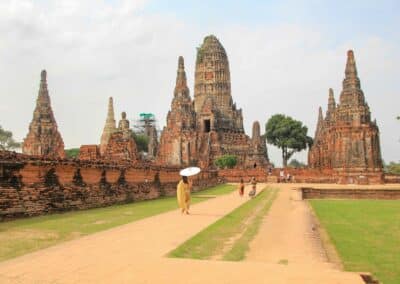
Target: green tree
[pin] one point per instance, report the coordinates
(72, 153)
(226, 161)
(392, 168)
(288, 134)
(296, 164)
(142, 142)
(7, 142)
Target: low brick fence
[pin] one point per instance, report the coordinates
(349, 193)
(305, 175)
(30, 187)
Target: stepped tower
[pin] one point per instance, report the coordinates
(43, 138)
(178, 138)
(349, 140)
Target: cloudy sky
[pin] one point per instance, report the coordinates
(284, 56)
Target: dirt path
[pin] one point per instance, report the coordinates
(287, 234)
(135, 253)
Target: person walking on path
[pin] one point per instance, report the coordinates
(183, 194)
(241, 187)
(253, 182)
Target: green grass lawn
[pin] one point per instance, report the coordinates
(241, 225)
(366, 234)
(26, 235)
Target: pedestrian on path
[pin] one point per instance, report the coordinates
(253, 182)
(183, 194)
(241, 187)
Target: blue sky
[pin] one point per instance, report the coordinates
(284, 56)
(341, 19)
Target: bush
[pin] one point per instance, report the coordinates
(72, 153)
(393, 168)
(142, 142)
(296, 164)
(226, 161)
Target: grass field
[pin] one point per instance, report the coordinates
(229, 237)
(26, 235)
(366, 234)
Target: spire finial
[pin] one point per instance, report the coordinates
(110, 111)
(331, 105)
(351, 69)
(109, 126)
(43, 75)
(320, 116)
(331, 100)
(181, 84)
(181, 63)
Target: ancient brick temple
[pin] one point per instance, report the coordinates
(116, 143)
(121, 144)
(178, 142)
(200, 130)
(109, 127)
(43, 138)
(346, 140)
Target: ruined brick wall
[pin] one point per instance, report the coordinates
(305, 175)
(32, 186)
(234, 175)
(89, 152)
(389, 178)
(350, 193)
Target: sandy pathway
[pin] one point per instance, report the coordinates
(135, 253)
(287, 233)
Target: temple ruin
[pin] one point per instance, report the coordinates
(43, 138)
(346, 140)
(199, 131)
(109, 127)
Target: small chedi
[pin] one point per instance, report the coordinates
(43, 138)
(346, 140)
(121, 145)
(199, 131)
(109, 127)
(116, 144)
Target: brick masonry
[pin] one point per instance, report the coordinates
(32, 186)
(350, 193)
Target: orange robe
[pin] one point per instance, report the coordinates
(183, 195)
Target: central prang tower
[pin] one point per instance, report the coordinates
(200, 131)
(212, 89)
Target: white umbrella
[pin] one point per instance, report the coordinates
(191, 171)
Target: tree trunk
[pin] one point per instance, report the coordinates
(284, 157)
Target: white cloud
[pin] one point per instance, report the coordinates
(94, 49)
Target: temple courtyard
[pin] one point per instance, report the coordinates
(289, 246)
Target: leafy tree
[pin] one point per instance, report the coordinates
(296, 164)
(288, 134)
(393, 168)
(226, 161)
(72, 153)
(142, 142)
(7, 142)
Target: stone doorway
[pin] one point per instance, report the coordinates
(207, 125)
